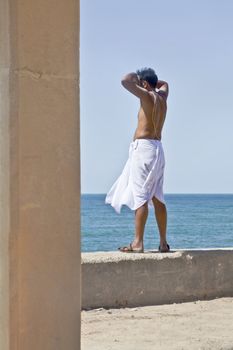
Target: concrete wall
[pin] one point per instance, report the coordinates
(125, 279)
(39, 175)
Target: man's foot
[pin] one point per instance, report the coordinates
(164, 248)
(131, 249)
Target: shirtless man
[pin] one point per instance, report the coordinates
(153, 95)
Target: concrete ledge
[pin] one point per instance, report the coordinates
(114, 279)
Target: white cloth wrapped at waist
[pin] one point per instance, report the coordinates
(141, 178)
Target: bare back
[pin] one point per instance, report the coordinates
(151, 117)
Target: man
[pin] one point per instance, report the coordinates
(141, 181)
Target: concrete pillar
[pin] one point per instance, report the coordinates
(39, 175)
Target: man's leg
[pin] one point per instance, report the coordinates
(141, 215)
(161, 218)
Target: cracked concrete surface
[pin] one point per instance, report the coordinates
(37, 75)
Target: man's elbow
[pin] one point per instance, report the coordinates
(165, 85)
(124, 81)
(129, 79)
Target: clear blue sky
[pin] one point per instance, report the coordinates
(189, 44)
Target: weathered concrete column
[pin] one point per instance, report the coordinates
(39, 175)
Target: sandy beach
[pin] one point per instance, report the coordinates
(206, 325)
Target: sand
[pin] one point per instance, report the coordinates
(206, 325)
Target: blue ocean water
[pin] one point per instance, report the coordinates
(194, 221)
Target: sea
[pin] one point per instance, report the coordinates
(194, 221)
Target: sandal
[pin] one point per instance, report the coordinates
(164, 251)
(130, 249)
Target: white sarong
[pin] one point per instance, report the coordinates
(141, 178)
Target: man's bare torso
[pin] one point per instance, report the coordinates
(151, 117)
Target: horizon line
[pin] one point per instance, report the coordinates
(168, 193)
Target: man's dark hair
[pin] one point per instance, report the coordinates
(149, 75)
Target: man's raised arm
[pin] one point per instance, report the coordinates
(131, 83)
(162, 88)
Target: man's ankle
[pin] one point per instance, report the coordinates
(163, 242)
(138, 242)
